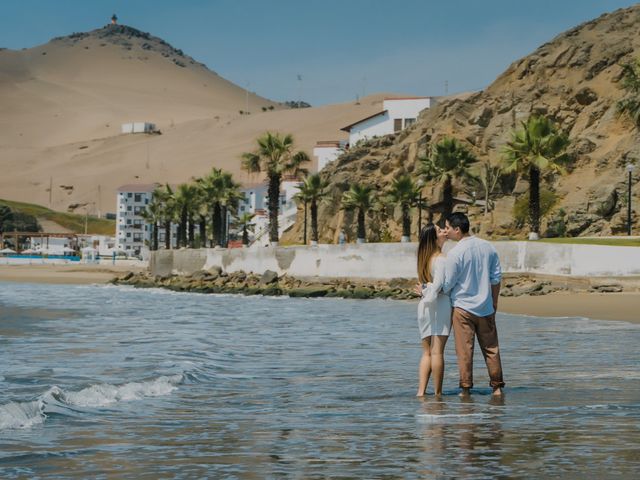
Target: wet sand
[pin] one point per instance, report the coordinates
(62, 274)
(601, 306)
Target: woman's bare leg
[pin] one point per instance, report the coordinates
(437, 361)
(424, 369)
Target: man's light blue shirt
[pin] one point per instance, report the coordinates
(472, 268)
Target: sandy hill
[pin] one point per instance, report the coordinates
(62, 105)
(574, 79)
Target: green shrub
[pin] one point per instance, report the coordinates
(548, 200)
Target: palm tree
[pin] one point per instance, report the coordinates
(185, 199)
(359, 197)
(275, 157)
(303, 197)
(630, 105)
(165, 197)
(153, 215)
(312, 190)
(231, 198)
(536, 148)
(449, 158)
(245, 221)
(222, 195)
(404, 192)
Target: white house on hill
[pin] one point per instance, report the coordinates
(396, 114)
(138, 127)
(327, 151)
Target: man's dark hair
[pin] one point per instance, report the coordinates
(459, 220)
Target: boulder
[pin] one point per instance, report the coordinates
(268, 277)
(310, 292)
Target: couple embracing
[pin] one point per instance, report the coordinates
(459, 289)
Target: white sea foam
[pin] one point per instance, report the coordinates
(106, 394)
(16, 415)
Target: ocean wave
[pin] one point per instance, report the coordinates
(17, 415)
(22, 415)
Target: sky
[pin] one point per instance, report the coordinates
(325, 51)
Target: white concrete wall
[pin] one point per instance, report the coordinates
(390, 260)
(377, 126)
(326, 155)
(405, 107)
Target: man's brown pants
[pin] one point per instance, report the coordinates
(465, 327)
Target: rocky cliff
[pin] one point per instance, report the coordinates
(575, 80)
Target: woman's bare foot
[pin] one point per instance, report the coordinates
(465, 392)
(420, 394)
(497, 392)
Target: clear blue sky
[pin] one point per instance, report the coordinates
(341, 48)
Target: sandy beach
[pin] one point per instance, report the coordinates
(62, 274)
(602, 306)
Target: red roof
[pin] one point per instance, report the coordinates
(348, 127)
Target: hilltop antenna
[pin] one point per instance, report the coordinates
(299, 90)
(446, 87)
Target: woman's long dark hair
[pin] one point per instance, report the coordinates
(427, 247)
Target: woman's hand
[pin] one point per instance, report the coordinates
(418, 289)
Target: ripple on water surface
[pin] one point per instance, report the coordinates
(112, 381)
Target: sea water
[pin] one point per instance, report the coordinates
(114, 382)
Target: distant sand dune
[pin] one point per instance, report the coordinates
(63, 103)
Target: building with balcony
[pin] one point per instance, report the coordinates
(133, 233)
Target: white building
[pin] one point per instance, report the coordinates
(138, 127)
(255, 198)
(396, 114)
(133, 234)
(326, 151)
(256, 203)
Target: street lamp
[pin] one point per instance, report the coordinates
(420, 185)
(630, 168)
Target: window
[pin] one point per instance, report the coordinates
(128, 208)
(408, 122)
(128, 234)
(129, 195)
(128, 221)
(137, 197)
(137, 237)
(397, 124)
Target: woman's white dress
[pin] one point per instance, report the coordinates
(434, 309)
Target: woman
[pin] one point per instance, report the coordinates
(434, 310)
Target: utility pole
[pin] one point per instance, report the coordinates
(50, 190)
(299, 90)
(446, 87)
(99, 202)
(246, 98)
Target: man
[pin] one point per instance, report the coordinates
(472, 279)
